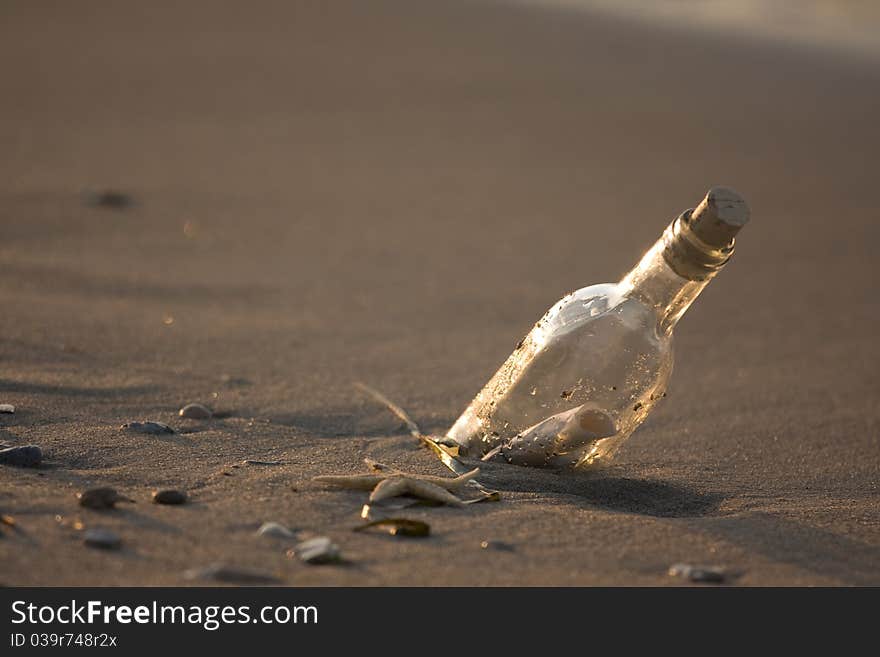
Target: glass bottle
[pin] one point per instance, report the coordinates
(594, 366)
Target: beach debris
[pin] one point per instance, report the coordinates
(74, 523)
(23, 456)
(398, 527)
(9, 521)
(316, 551)
(108, 198)
(101, 498)
(231, 575)
(374, 465)
(104, 539)
(169, 496)
(256, 462)
(7, 408)
(444, 449)
(388, 483)
(702, 574)
(425, 490)
(148, 427)
(275, 530)
(496, 545)
(196, 412)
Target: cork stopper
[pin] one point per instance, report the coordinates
(719, 217)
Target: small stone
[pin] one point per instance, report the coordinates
(108, 198)
(231, 575)
(101, 498)
(196, 412)
(275, 530)
(169, 496)
(103, 539)
(148, 427)
(7, 408)
(705, 574)
(316, 551)
(23, 456)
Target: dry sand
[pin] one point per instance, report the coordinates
(393, 192)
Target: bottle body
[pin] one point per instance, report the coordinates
(595, 347)
(589, 372)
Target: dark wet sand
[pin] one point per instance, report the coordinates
(394, 192)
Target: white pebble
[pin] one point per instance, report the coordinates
(275, 530)
(196, 412)
(102, 538)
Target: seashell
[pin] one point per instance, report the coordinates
(706, 574)
(7, 408)
(196, 412)
(148, 427)
(169, 496)
(23, 456)
(101, 498)
(103, 539)
(275, 530)
(317, 551)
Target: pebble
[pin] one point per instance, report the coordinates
(275, 530)
(708, 574)
(169, 496)
(149, 427)
(231, 575)
(23, 456)
(104, 539)
(108, 198)
(7, 408)
(101, 498)
(316, 551)
(196, 412)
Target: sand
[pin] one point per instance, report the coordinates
(393, 192)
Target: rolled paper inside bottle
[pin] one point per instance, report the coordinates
(559, 434)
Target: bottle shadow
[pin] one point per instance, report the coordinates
(607, 490)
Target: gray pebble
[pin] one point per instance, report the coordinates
(104, 539)
(196, 412)
(149, 427)
(705, 574)
(23, 456)
(7, 408)
(316, 551)
(169, 496)
(231, 575)
(108, 198)
(275, 530)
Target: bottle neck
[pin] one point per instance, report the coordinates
(674, 272)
